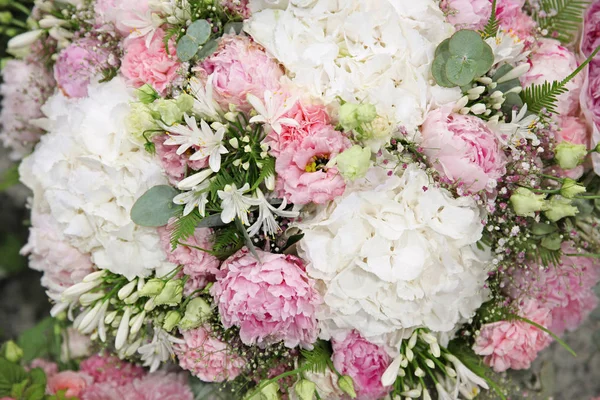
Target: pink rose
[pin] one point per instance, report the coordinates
(550, 61)
(79, 63)
(271, 300)
(573, 130)
(302, 172)
(73, 383)
(105, 368)
(463, 149)
(467, 14)
(239, 67)
(364, 362)
(514, 344)
(152, 64)
(207, 357)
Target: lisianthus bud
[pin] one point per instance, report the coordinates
(152, 287)
(146, 94)
(171, 294)
(526, 203)
(269, 392)
(12, 352)
(354, 162)
(559, 208)
(171, 320)
(570, 155)
(366, 113)
(570, 188)
(185, 102)
(169, 111)
(305, 389)
(347, 116)
(196, 312)
(346, 385)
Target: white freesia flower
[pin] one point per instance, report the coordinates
(86, 174)
(235, 204)
(395, 253)
(271, 111)
(521, 128)
(143, 25)
(196, 197)
(467, 381)
(159, 350)
(204, 104)
(376, 52)
(507, 48)
(266, 219)
(206, 142)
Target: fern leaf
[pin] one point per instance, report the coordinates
(317, 360)
(561, 18)
(491, 28)
(184, 227)
(267, 170)
(227, 241)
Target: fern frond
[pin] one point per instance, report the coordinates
(267, 170)
(227, 241)
(222, 179)
(317, 360)
(561, 18)
(184, 227)
(491, 28)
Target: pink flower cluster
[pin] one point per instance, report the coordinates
(514, 344)
(207, 357)
(270, 300)
(463, 149)
(175, 165)
(364, 362)
(591, 40)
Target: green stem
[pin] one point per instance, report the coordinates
(554, 336)
(581, 67)
(549, 191)
(588, 255)
(588, 197)
(20, 7)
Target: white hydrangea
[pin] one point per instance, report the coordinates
(86, 174)
(374, 51)
(395, 253)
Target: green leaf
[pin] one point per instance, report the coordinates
(438, 70)
(227, 241)
(542, 229)
(443, 48)
(155, 207)
(9, 178)
(317, 360)
(460, 71)
(184, 227)
(211, 221)
(485, 60)
(10, 374)
(552, 242)
(491, 27)
(186, 48)
(561, 18)
(37, 376)
(199, 31)
(466, 43)
(247, 239)
(42, 341)
(208, 49)
(237, 27)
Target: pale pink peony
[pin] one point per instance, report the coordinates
(73, 383)
(463, 149)
(550, 61)
(152, 64)
(50, 368)
(105, 391)
(201, 267)
(467, 14)
(302, 174)
(77, 64)
(514, 344)
(207, 357)
(104, 368)
(240, 66)
(591, 39)
(270, 300)
(311, 119)
(121, 13)
(364, 362)
(573, 130)
(513, 18)
(591, 33)
(26, 87)
(159, 386)
(175, 165)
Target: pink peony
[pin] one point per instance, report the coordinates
(467, 14)
(592, 98)
(73, 383)
(79, 63)
(573, 130)
(26, 87)
(462, 148)
(105, 391)
(269, 300)
(50, 368)
(197, 264)
(207, 357)
(514, 344)
(159, 386)
(513, 18)
(105, 368)
(311, 119)
(302, 172)
(175, 165)
(550, 61)
(364, 362)
(591, 33)
(240, 66)
(150, 64)
(121, 13)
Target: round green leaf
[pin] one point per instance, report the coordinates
(155, 207)
(512, 100)
(460, 71)
(443, 47)
(207, 49)
(552, 242)
(485, 60)
(199, 31)
(186, 48)
(438, 70)
(466, 43)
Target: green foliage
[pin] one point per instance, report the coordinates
(155, 207)
(207, 49)
(11, 261)
(491, 28)
(19, 384)
(9, 178)
(184, 227)
(267, 170)
(561, 18)
(227, 242)
(42, 341)
(196, 35)
(318, 359)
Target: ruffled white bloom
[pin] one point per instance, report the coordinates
(235, 204)
(86, 175)
(395, 253)
(159, 350)
(270, 112)
(376, 52)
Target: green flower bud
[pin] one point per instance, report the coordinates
(366, 113)
(597, 148)
(269, 392)
(169, 111)
(559, 208)
(346, 385)
(146, 94)
(171, 320)
(140, 122)
(185, 102)
(12, 352)
(151, 288)
(196, 312)
(526, 203)
(570, 188)
(354, 162)
(305, 389)
(171, 294)
(570, 155)
(348, 117)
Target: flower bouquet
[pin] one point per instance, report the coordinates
(304, 199)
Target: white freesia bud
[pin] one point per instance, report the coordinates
(516, 90)
(496, 95)
(141, 283)
(110, 317)
(234, 143)
(133, 347)
(78, 289)
(461, 103)
(430, 363)
(123, 330)
(485, 80)
(404, 363)
(435, 350)
(133, 298)
(451, 372)
(88, 298)
(126, 290)
(476, 90)
(94, 276)
(412, 342)
(24, 40)
(49, 21)
(231, 116)
(426, 395)
(409, 354)
(150, 305)
(465, 110)
(91, 318)
(270, 182)
(412, 394)
(478, 109)
(401, 373)
(428, 337)
(58, 308)
(389, 376)
(419, 372)
(194, 180)
(61, 35)
(137, 322)
(514, 73)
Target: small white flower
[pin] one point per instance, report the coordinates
(271, 111)
(468, 382)
(235, 204)
(265, 219)
(194, 180)
(159, 350)
(204, 104)
(126, 290)
(520, 128)
(196, 197)
(208, 143)
(123, 330)
(74, 292)
(442, 394)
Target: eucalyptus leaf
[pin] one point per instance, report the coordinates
(186, 48)
(512, 100)
(212, 221)
(438, 70)
(443, 47)
(208, 49)
(247, 238)
(236, 27)
(552, 242)
(199, 31)
(484, 61)
(542, 229)
(466, 43)
(460, 70)
(155, 207)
